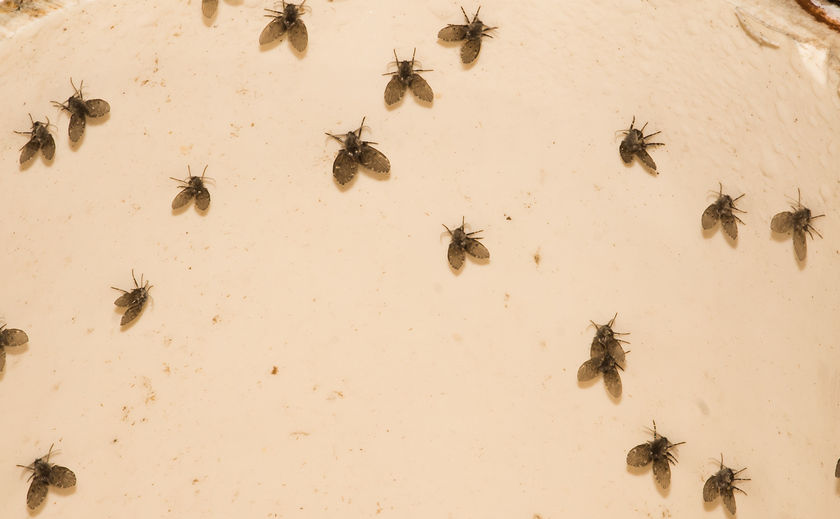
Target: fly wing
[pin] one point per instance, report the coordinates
(727, 221)
(13, 337)
(456, 255)
(477, 249)
(728, 496)
(62, 477)
(588, 370)
(48, 147)
(710, 489)
(202, 199)
(597, 350)
(37, 493)
(639, 456)
(182, 199)
(470, 50)
(613, 382)
(616, 352)
(344, 167)
(782, 222)
(208, 7)
(130, 314)
(710, 216)
(662, 472)
(123, 300)
(97, 107)
(372, 158)
(275, 29)
(420, 88)
(453, 33)
(394, 91)
(29, 150)
(77, 127)
(646, 160)
(799, 244)
(298, 36)
(624, 151)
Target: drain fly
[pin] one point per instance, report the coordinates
(798, 221)
(723, 483)
(606, 356)
(43, 475)
(723, 210)
(407, 76)
(286, 20)
(10, 337)
(39, 139)
(134, 300)
(656, 451)
(463, 243)
(634, 144)
(470, 34)
(355, 152)
(80, 110)
(193, 188)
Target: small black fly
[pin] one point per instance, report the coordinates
(462, 243)
(634, 144)
(656, 451)
(39, 139)
(355, 152)
(134, 300)
(407, 76)
(193, 188)
(80, 110)
(722, 210)
(208, 7)
(798, 221)
(471, 34)
(288, 19)
(606, 356)
(723, 483)
(10, 337)
(43, 475)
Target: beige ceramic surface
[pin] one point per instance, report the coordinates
(401, 389)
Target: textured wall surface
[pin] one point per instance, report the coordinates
(402, 389)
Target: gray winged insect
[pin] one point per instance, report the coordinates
(80, 109)
(193, 188)
(470, 34)
(656, 451)
(634, 143)
(722, 210)
(133, 300)
(606, 356)
(355, 152)
(43, 475)
(407, 76)
(798, 221)
(722, 483)
(10, 337)
(39, 139)
(463, 243)
(208, 7)
(286, 20)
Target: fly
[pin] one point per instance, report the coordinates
(723, 483)
(39, 139)
(470, 34)
(134, 300)
(286, 20)
(80, 110)
(463, 243)
(10, 337)
(193, 188)
(43, 475)
(722, 210)
(606, 356)
(355, 152)
(407, 76)
(798, 221)
(656, 451)
(634, 144)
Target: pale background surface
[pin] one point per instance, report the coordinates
(403, 390)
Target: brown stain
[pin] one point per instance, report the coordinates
(537, 257)
(274, 370)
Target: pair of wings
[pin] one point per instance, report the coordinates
(456, 254)
(208, 7)
(712, 489)
(277, 28)
(345, 166)
(59, 476)
(78, 121)
(201, 195)
(784, 222)
(713, 213)
(592, 367)
(641, 455)
(470, 49)
(134, 300)
(627, 153)
(10, 337)
(47, 144)
(396, 89)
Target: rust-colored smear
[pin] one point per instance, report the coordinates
(819, 14)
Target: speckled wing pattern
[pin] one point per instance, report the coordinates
(710, 216)
(36, 494)
(613, 382)
(639, 456)
(97, 107)
(131, 314)
(298, 36)
(470, 50)
(77, 127)
(123, 300)
(372, 158)
(48, 146)
(616, 352)
(476, 249)
(344, 167)
(453, 33)
(646, 159)
(30, 149)
(728, 496)
(455, 255)
(13, 337)
(662, 472)
(202, 198)
(782, 222)
(395, 90)
(208, 7)
(589, 369)
(180, 200)
(276, 28)
(420, 88)
(61, 477)
(799, 243)
(710, 489)
(727, 221)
